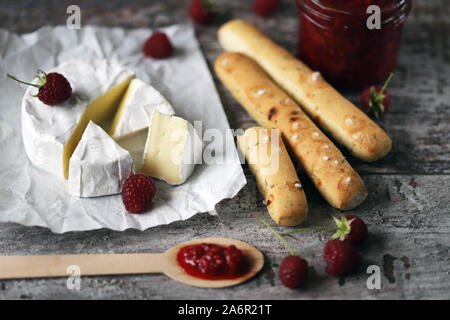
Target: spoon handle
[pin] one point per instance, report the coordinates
(81, 264)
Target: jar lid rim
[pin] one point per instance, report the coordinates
(400, 4)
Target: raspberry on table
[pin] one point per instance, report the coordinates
(376, 100)
(265, 7)
(341, 257)
(358, 230)
(293, 271)
(202, 11)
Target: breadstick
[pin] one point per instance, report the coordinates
(271, 107)
(275, 174)
(335, 114)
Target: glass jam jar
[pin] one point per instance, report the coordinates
(335, 39)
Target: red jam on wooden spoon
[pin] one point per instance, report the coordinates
(212, 262)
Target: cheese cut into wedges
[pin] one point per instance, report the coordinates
(98, 166)
(51, 133)
(136, 109)
(172, 149)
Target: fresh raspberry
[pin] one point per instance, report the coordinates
(341, 257)
(202, 11)
(376, 100)
(56, 89)
(53, 89)
(358, 230)
(158, 46)
(265, 7)
(293, 271)
(137, 193)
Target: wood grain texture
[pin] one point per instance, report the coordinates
(407, 210)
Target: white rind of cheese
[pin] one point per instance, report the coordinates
(172, 149)
(98, 166)
(136, 109)
(51, 133)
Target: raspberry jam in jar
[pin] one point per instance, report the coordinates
(335, 38)
(212, 262)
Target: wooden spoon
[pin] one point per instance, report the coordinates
(13, 267)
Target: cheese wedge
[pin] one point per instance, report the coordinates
(51, 133)
(172, 149)
(98, 166)
(136, 109)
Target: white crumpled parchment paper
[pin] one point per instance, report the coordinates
(32, 197)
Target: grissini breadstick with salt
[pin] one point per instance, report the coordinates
(275, 174)
(328, 108)
(271, 107)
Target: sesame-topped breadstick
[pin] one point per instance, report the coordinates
(275, 175)
(271, 107)
(336, 115)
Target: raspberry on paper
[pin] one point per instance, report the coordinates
(137, 193)
(158, 46)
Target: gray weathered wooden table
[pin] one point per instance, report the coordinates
(407, 209)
